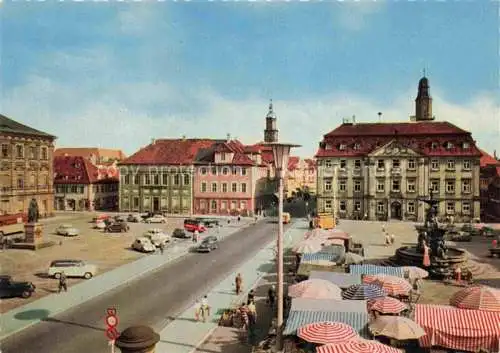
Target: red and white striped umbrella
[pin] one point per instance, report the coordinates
(477, 298)
(391, 284)
(416, 272)
(357, 346)
(387, 305)
(326, 332)
(315, 289)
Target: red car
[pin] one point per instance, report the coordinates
(192, 225)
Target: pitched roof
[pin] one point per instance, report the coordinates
(293, 163)
(311, 163)
(10, 126)
(487, 159)
(232, 146)
(88, 152)
(74, 170)
(403, 129)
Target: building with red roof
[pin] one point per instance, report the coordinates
(80, 187)
(300, 176)
(490, 187)
(380, 170)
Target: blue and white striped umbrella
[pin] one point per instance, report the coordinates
(363, 292)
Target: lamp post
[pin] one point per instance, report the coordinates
(281, 152)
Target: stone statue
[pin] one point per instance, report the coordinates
(33, 213)
(435, 234)
(422, 240)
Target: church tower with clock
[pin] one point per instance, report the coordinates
(271, 131)
(423, 102)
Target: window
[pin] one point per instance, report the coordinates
(434, 164)
(203, 187)
(450, 164)
(342, 206)
(224, 187)
(203, 171)
(126, 179)
(137, 179)
(214, 170)
(380, 186)
(20, 183)
(411, 164)
(136, 202)
(187, 179)
(342, 185)
(19, 151)
(328, 205)
(380, 164)
(434, 145)
(235, 170)
(214, 187)
(466, 186)
(32, 152)
(356, 146)
(213, 205)
(466, 164)
(225, 171)
(342, 147)
(156, 179)
(380, 207)
(465, 145)
(5, 150)
(233, 205)
(147, 179)
(343, 163)
(450, 186)
(449, 145)
(164, 179)
(45, 155)
(411, 185)
(435, 185)
(357, 163)
(328, 185)
(177, 179)
(234, 187)
(223, 205)
(411, 207)
(466, 208)
(243, 205)
(450, 207)
(243, 187)
(243, 171)
(396, 163)
(357, 186)
(357, 206)
(396, 185)
(328, 163)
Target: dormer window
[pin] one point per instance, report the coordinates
(449, 145)
(356, 146)
(466, 145)
(328, 146)
(434, 145)
(222, 156)
(342, 147)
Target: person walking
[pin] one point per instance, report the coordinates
(63, 282)
(205, 308)
(393, 238)
(251, 296)
(271, 295)
(197, 310)
(238, 281)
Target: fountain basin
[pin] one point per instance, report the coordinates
(409, 256)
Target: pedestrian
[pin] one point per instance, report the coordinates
(387, 239)
(195, 236)
(252, 323)
(218, 228)
(162, 247)
(494, 243)
(197, 310)
(393, 238)
(238, 281)
(239, 218)
(271, 296)
(251, 296)
(62, 282)
(426, 259)
(205, 308)
(458, 274)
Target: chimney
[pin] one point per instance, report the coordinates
(379, 117)
(354, 119)
(153, 141)
(183, 137)
(228, 137)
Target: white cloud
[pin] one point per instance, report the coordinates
(352, 15)
(110, 118)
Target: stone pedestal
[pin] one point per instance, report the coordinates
(34, 238)
(137, 339)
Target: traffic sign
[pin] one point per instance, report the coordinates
(111, 321)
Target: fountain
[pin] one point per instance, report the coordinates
(444, 259)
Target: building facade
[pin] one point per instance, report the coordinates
(489, 185)
(300, 175)
(80, 187)
(26, 168)
(105, 159)
(379, 171)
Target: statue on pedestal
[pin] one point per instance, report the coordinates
(33, 212)
(434, 233)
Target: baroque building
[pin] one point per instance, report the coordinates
(379, 171)
(26, 168)
(300, 175)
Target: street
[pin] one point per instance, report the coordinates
(152, 300)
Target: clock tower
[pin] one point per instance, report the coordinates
(423, 102)
(271, 132)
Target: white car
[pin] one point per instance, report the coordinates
(157, 218)
(143, 244)
(71, 268)
(100, 225)
(157, 236)
(67, 230)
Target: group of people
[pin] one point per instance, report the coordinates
(389, 239)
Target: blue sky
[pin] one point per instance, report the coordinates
(117, 74)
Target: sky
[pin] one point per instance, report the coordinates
(118, 74)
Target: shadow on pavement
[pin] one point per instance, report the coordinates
(42, 275)
(37, 314)
(49, 319)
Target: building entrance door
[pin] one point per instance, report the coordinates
(396, 210)
(156, 204)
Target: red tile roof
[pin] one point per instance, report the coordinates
(487, 159)
(405, 129)
(74, 170)
(311, 163)
(293, 163)
(232, 146)
(88, 152)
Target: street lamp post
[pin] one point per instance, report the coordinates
(281, 152)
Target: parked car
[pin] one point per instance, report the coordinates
(67, 230)
(157, 236)
(117, 227)
(119, 218)
(192, 225)
(157, 218)
(180, 233)
(208, 244)
(10, 288)
(100, 225)
(143, 244)
(72, 268)
(208, 222)
(135, 218)
(100, 217)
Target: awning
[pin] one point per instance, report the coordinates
(306, 304)
(296, 319)
(306, 268)
(313, 257)
(375, 270)
(454, 328)
(343, 280)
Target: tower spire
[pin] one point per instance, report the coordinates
(271, 131)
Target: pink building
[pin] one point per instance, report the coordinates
(226, 178)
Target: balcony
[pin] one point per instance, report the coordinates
(396, 171)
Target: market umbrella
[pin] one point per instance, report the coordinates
(331, 245)
(326, 332)
(391, 284)
(357, 346)
(363, 292)
(317, 233)
(477, 298)
(416, 272)
(315, 289)
(351, 258)
(307, 246)
(387, 305)
(397, 327)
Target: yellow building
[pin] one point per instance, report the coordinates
(300, 175)
(26, 170)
